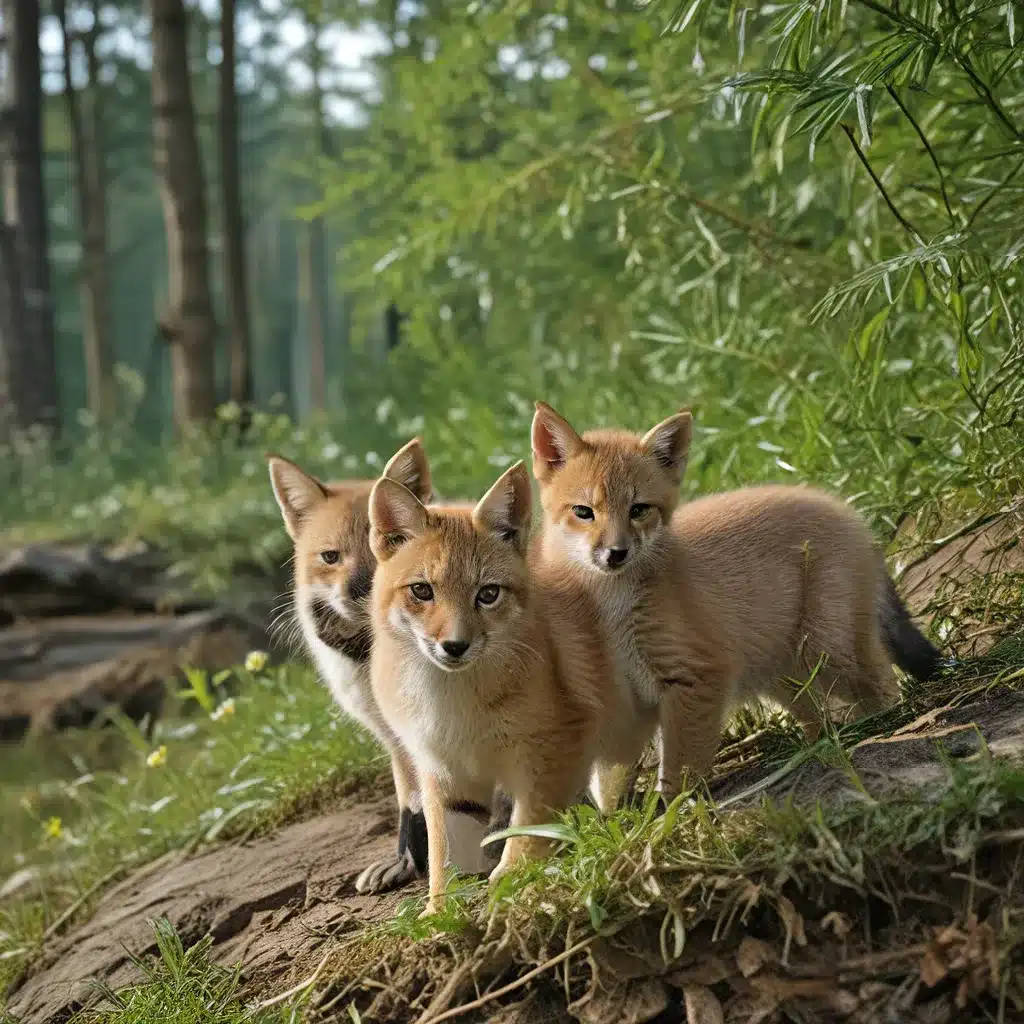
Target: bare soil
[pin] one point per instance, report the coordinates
(268, 903)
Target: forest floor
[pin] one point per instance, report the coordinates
(208, 861)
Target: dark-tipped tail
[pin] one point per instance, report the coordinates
(906, 644)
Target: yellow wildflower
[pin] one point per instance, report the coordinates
(157, 757)
(256, 661)
(55, 828)
(222, 710)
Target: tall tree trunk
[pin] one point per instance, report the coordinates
(90, 189)
(30, 356)
(187, 324)
(12, 324)
(316, 234)
(235, 269)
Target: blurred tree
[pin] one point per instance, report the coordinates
(187, 325)
(12, 321)
(30, 361)
(313, 266)
(90, 187)
(235, 264)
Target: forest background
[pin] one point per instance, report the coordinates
(320, 227)
(801, 219)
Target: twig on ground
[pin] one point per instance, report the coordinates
(458, 1011)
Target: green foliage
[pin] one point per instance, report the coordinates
(806, 231)
(206, 502)
(180, 985)
(801, 220)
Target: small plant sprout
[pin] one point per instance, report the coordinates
(199, 689)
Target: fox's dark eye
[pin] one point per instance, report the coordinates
(488, 594)
(638, 511)
(583, 512)
(330, 557)
(422, 591)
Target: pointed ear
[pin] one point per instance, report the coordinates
(669, 443)
(553, 441)
(297, 493)
(409, 467)
(506, 508)
(396, 515)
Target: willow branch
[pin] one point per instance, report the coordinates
(881, 188)
(1014, 171)
(961, 59)
(927, 145)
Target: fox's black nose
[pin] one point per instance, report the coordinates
(455, 648)
(615, 557)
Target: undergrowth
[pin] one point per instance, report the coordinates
(858, 910)
(271, 751)
(180, 985)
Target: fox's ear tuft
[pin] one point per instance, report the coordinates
(506, 509)
(297, 493)
(396, 516)
(410, 468)
(553, 441)
(669, 443)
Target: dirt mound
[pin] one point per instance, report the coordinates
(915, 759)
(968, 581)
(267, 903)
(87, 627)
(278, 904)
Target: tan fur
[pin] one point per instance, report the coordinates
(333, 518)
(521, 707)
(722, 599)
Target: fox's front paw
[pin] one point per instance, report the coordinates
(502, 869)
(435, 905)
(390, 872)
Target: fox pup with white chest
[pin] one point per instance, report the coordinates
(333, 575)
(721, 600)
(490, 675)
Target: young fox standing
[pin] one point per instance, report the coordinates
(334, 568)
(488, 674)
(724, 598)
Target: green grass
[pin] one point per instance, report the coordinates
(80, 809)
(124, 798)
(179, 985)
(668, 890)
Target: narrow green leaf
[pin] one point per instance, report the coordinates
(561, 833)
(873, 325)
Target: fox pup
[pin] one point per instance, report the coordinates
(723, 598)
(488, 674)
(333, 575)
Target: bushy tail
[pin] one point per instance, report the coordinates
(907, 645)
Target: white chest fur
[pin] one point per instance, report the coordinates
(445, 729)
(348, 680)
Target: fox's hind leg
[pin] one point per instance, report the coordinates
(867, 681)
(691, 726)
(608, 782)
(548, 783)
(872, 683)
